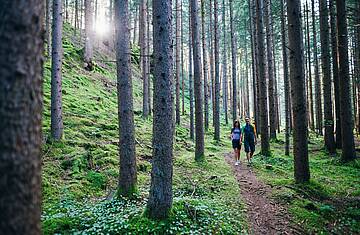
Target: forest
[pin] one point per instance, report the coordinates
(179, 117)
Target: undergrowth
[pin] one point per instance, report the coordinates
(80, 172)
(329, 203)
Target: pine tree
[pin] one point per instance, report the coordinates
(21, 109)
(127, 176)
(160, 196)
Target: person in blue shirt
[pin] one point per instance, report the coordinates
(235, 139)
(248, 137)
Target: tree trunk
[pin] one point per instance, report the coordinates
(265, 146)
(335, 71)
(47, 30)
(318, 106)
(76, 20)
(310, 88)
(199, 127)
(182, 61)
(57, 127)
(347, 123)
(144, 57)
(149, 23)
(270, 70)
(177, 65)
(325, 62)
(136, 17)
(88, 54)
(253, 58)
(211, 59)
(204, 48)
(233, 59)
(191, 85)
(127, 177)
(217, 73)
(160, 196)
(297, 78)
(224, 53)
(21, 104)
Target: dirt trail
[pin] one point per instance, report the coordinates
(264, 215)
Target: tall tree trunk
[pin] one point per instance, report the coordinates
(256, 53)
(160, 196)
(357, 68)
(148, 3)
(224, 65)
(270, 65)
(204, 48)
(233, 61)
(144, 57)
(310, 88)
(318, 106)
(57, 127)
(88, 54)
(325, 65)
(127, 177)
(136, 22)
(191, 85)
(76, 20)
(199, 127)
(47, 30)
(253, 58)
(265, 146)
(217, 73)
(211, 59)
(177, 65)
(182, 61)
(347, 123)
(21, 104)
(335, 71)
(297, 78)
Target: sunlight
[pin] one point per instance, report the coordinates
(102, 26)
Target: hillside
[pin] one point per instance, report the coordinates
(80, 173)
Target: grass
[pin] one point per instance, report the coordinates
(80, 172)
(329, 203)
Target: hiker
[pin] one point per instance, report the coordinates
(236, 143)
(248, 137)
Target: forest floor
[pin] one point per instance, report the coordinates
(264, 215)
(80, 172)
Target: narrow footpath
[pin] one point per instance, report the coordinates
(263, 214)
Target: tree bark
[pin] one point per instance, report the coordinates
(144, 57)
(297, 78)
(217, 73)
(199, 127)
(21, 104)
(191, 85)
(347, 123)
(177, 65)
(204, 48)
(47, 30)
(318, 106)
(335, 71)
(265, 146)
(325, 62)
(233, 61)
(127, 176)
(88, 54)
(270, 68)
(160, 196)
(224, 65)
(310, 88)
(57, 127)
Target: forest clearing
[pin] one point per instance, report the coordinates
(179, 117)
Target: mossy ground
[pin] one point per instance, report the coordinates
(80, 172)
(330, 202)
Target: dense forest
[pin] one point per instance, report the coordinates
(179, 117)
